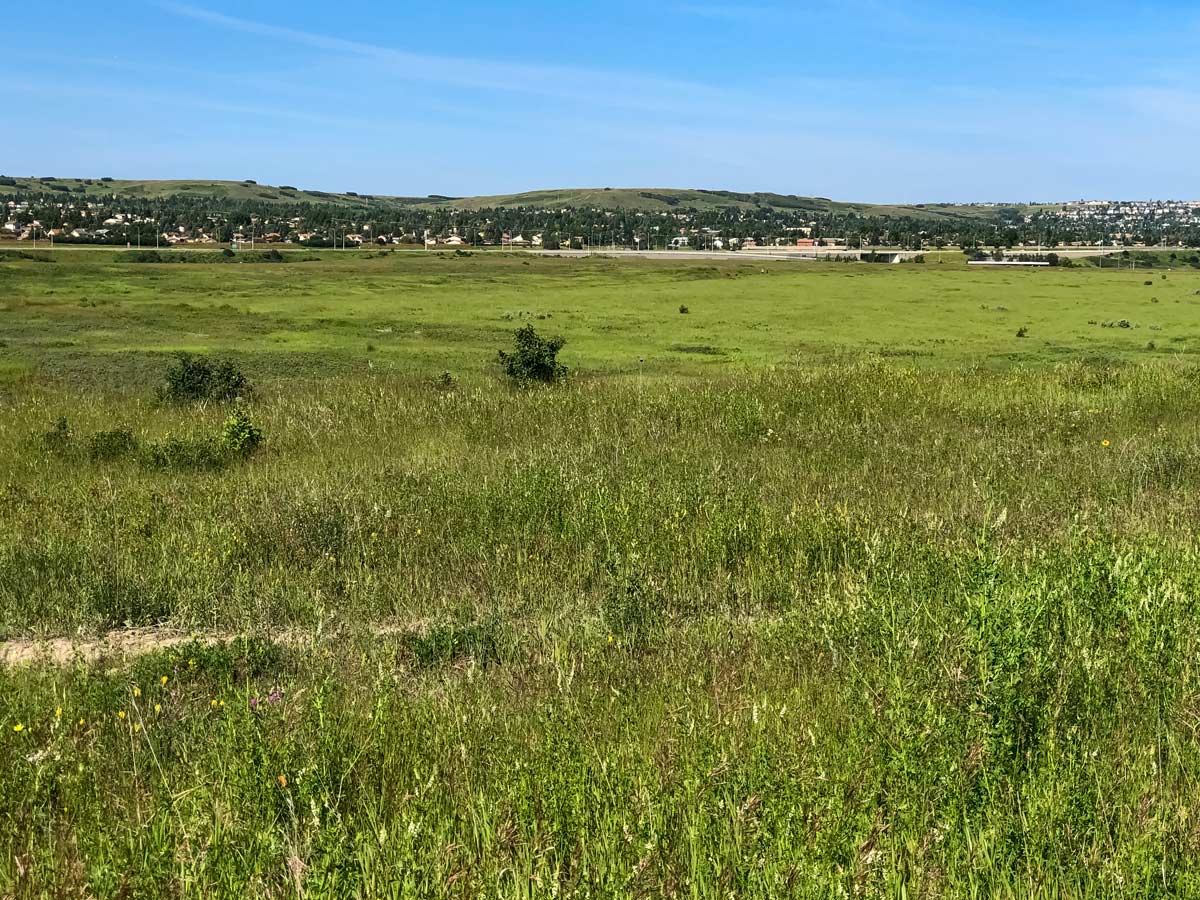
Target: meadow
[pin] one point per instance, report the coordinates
(845, 590)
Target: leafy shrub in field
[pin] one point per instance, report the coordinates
(239, 438)
(239, 435)
(192, 378)
(683, 310)
(108, 445)
(534, 359)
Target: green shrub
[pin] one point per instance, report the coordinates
(535, 358)
(239, 435)
(107, 445)
(192, 378)
(683, 310)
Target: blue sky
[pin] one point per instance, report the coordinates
(870, 101)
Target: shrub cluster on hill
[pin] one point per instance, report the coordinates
(535, 358)
(192, 378)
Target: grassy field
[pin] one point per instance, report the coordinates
(867, 598)
(91, 313)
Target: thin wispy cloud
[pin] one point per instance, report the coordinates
(598, 86)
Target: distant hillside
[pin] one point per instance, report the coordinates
(646, 199)
(659, 199)
(225, 190)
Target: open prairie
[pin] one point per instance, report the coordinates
(830, 585)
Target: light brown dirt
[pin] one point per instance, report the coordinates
(116, 645)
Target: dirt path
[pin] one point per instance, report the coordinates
(126, 644)
(130, 643)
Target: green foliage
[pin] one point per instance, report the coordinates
(144, 256)
(239, 435)
(683, 310)
(535, 359)
(919, 628)
(191, 378)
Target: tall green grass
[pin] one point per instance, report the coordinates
(854, 630)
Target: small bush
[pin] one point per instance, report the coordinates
(444, 382)
(1148, 283)
(192, 378)
(535, 358)
(683, 310)
(1022, 331)
(239, 435)
(108, 445)
(228, 254)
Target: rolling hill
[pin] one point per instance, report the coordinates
(642, 199)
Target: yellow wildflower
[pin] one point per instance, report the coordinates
(214, 704)
(58, 712)
(158, 707)
(137, 691)
(121, 715)
(164, 679)
(137, 728)
(18, 727)
(282, 779)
